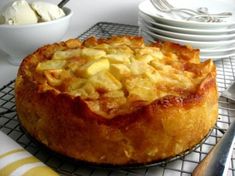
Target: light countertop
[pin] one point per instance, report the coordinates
(86, 13)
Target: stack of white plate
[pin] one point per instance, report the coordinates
(215, 40)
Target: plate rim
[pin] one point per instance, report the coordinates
(187, 36)
(181, 29)
(194, 44)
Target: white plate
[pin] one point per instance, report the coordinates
(217, 53)
(217, 56)
(206, 31)
(214, 6)
(226, 48)
(183, 36)
(194, 44)
(203, 56)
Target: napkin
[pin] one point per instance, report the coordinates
(16, 161)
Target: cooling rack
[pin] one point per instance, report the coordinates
(180, 167)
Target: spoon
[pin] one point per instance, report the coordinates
(216, 162)
(62, 3)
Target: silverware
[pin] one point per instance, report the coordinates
(216, 162)
(62, 3)
(230, 92)
(201, 14)
(204, 10)
(164, 6)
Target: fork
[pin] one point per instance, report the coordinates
(164, 6)
(200, 15)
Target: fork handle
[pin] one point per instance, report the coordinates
(216, 162)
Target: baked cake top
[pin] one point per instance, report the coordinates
(117, 74)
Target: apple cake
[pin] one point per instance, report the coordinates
(117, 100)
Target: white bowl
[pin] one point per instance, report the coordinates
(21, 40)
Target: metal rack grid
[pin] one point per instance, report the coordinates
(180, 167)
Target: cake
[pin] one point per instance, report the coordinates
(117, 100)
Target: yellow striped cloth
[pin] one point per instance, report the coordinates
(15, 161)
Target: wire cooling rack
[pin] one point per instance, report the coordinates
(180, 167)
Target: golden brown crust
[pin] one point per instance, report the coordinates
(161, 129)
